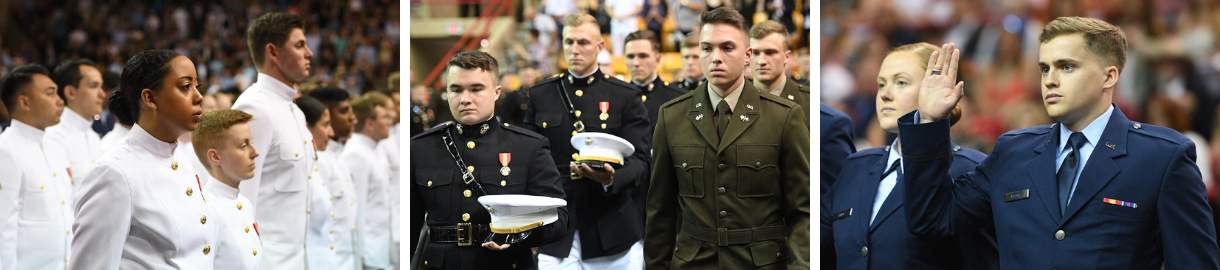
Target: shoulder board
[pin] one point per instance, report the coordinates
(616, 81)
(781, 101)
(1158, 132)
(433, 130)
(1043, 129)
(875, 151)
(678, 99)
(523, 131)
(969, 153)
(802, 88)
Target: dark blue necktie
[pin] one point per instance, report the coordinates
(1067, 171)
(893, 168)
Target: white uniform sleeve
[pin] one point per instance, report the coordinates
(103, 220)
(10, 186)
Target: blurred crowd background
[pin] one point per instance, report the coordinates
(524, 35)
(354, 42)
(1171, 77)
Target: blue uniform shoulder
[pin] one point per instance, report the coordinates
(1159, 133)
(1025, 133)
(969, 154)
(871, 152)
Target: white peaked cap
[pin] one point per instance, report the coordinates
(520, 213)
(597, 146)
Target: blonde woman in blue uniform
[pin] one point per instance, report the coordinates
(864, 208)
(140, 208)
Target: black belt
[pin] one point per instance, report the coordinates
(726, 236)
(463, 234)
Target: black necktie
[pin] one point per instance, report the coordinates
(722, 117)
(1067, 171)
(893, 168)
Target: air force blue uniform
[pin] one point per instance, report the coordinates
(885, 242)
(1138, 202)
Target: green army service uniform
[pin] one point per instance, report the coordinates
(796, 92)
(740, 202)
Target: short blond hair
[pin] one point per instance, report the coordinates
(768, 27)
(211, 130)
(578, 18)
(922, 49)
(1103, 39)
(364, 107)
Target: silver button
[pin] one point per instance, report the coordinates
(724, 213)
(864, 251)
(1059, 235)
(720, 189)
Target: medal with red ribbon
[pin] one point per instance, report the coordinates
(604, 106)
(505, 158)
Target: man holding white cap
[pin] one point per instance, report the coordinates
(480, 156)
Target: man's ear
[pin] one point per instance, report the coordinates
(1111, 77)
(270, 52)
(23, 104)
(70, 93)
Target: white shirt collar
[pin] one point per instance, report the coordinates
(142, 139)
(1092, 132)
(578, 76)
(220, 188)
(360, 139)
(895, 155)
(276, 87)
(25, 131)
(731, 98)
(70, 119)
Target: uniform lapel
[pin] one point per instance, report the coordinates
(892, 202)
(701, 116)
(746, 116)
(1041, 172)
(1101, 168)
(868, 189)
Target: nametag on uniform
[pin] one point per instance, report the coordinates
(841, 215)
(1016, 195)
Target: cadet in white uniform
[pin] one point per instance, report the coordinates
(341, 116)
(222, 140)
(35, 218)
(140, 208)
(369, 176)
(387, 149)
(116, 135)
(328, 245)
(279, 188)
(80, 86)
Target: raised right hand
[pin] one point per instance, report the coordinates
(940, 90)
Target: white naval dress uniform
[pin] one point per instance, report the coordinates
(116, 135)
(369, 174)
(238, 247)
(35, 217)
(140, 208)
(388, 149)
(342, 231)
(318, 241)
(75, 139)
(279, 189)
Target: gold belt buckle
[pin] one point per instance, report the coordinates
(464, 235)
